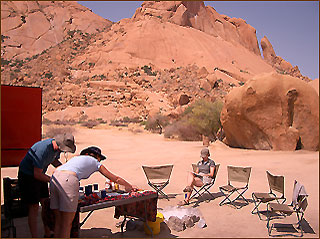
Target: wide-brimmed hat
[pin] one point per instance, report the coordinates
(205, 152)
(65, 142)
(93, 149)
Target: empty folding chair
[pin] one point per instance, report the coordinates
(204, 188)
(238, 182)
(276, 186)
(158, 177)
(280, 211)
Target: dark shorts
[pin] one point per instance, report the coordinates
(32, 190)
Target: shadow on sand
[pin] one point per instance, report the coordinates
(165, 232)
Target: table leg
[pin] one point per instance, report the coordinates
(122, 224)
(86, 218)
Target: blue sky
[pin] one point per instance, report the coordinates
(292, 27)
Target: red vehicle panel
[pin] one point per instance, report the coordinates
(21, 120)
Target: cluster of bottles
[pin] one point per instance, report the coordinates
(111, 186)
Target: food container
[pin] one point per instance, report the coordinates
(88, 189)
(103, 193)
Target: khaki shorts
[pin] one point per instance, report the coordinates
(64, 191)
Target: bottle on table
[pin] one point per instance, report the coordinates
(108, 185)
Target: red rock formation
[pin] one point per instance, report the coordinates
(196, 15)
(277, 62)
(29, 27)
(272, 111)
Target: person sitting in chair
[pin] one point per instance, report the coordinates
(202, 175)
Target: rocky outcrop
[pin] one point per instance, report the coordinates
(196, 15)
(272, 111)
(315, 84)
(30, 27)
(277, 62)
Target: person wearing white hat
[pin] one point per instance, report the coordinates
(204, 172)
(32, 177)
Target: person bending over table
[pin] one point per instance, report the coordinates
(33, 180)
(64, 186)
(203, 174)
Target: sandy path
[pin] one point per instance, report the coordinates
(126, 152)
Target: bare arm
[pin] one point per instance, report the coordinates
(212, 171)
(115, 178)
(39, 175)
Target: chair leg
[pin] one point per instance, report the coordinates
(226, 197)
(159, 190)
(241, 195)
(268, 221)
(300, 218)
(196, 192)
(207, 190)
(257, 204)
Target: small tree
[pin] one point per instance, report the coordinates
(204, 116)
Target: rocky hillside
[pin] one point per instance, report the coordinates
(30, 27)
(167, 55)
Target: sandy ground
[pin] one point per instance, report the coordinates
(127, 151)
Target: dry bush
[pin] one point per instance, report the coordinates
(182, 130)
(90, 123)
(156, 123)
(46, 121)
(53, 131)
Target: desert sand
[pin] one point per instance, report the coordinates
(127, 151)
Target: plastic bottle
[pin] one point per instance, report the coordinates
(107, 186)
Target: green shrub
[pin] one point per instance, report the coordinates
(204, 116)
(4, 62)
(148, 70)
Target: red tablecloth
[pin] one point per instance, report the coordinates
(145, 209)
(137, 209)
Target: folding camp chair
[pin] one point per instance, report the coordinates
(204, 188)
(276, 184)
(239, 176)
(158, 177)
(13, 206)
(280, 211)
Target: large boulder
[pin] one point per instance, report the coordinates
(272, 111)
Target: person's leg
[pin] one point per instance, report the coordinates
(33, 219)
(190, 179)
(57, 226)
(30, 195)
(47, 231)
(66, 224)
(195, 182)
(68, 202)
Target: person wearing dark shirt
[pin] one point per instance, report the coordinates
(32, 178)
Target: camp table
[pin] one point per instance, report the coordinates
(127, 207)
